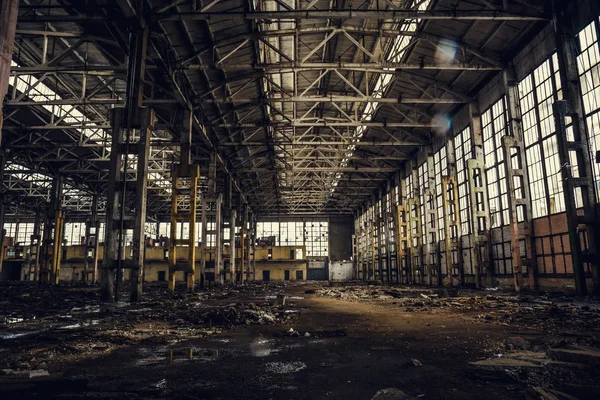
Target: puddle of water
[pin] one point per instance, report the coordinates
(262, 348)
(79, 325)
(191, 353)
(14, 320)
(296, 298)
(15, 335)
(176, 356)
(85, 310)
(285, 367)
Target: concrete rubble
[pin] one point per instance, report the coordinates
(552, 313)
(557, 356)
(49, 327)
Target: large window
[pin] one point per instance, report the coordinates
(312, 234)
(494, 122)
(538, 91)
(291, 233)
(410, 192)
(317, 238)
(588, 63)
(440, 166)
(74, 232)
(423, 178)
(462, 146)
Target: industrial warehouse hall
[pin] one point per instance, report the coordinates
(300, 199)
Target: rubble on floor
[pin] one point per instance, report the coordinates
(552, 313)
(569, 372)
(35, 320)
(558, 358)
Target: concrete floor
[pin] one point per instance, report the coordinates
(338, 349)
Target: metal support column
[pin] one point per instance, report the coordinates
(141, 188)
(53, 236)
(430, 250)
(402, 241)
(413, 205)
(91, 243)
(2, 203)
(480, 216)
(254, 230)
(128, 124)
(243, 245)
(573, 150)
(183, 210)
(522, 244)
(219, 241)
(9, 11)
(119, 217)
(574, 156)
(232, 222)
(451, 211)
(479, 221)
(204, 236)
(250, 240)
(35, 241)
(453, 270)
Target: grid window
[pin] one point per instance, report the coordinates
(537, 92)
(494, 122)
(73, 233)
(440, 165)
(409, 187)
(423, 178)
(317, 238)
(462, 146)
(588, 63)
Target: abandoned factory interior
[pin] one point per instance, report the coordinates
(300, 199)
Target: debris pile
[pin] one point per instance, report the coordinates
(560, 372)
(36, 321)
(247, 314)
(550, 313)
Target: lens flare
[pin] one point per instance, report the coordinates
(445, 52)
(441, 124)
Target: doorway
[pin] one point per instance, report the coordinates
(162, 276)
(266, 276)
(286, 275)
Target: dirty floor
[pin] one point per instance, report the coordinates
(243, 343)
